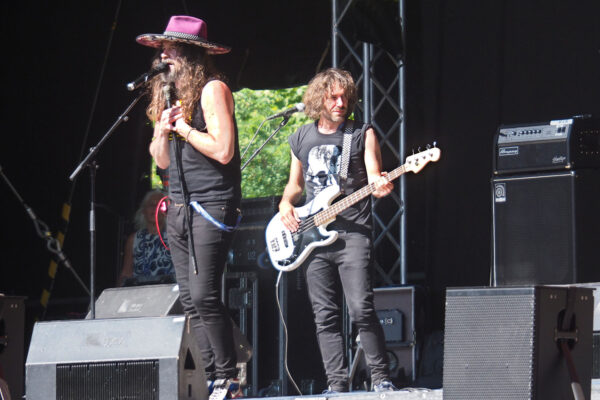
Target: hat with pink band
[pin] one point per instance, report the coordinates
(183, 29)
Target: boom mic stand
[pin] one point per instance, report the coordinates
(52, 244)
(281, 291)
(281, 125)
(89, 161)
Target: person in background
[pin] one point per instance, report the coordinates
(146, 259)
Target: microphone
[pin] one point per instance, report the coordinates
(158, 69)
(168, 92)
(286, 113)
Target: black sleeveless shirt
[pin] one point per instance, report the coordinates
(206, 179)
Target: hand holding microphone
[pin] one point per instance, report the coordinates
(172, 117)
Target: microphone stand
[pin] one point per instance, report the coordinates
(52, 244)
(281, 125)
(89, 162)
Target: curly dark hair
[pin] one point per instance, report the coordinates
(322, 84)
(196, 70)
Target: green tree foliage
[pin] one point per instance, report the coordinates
(266, 175)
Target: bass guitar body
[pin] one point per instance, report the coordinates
(288, 250)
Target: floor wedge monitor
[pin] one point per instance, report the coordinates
(127, 358)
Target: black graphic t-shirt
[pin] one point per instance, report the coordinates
(320, 155)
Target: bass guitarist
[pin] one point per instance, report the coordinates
(345, 265)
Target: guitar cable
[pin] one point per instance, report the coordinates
(285, 331)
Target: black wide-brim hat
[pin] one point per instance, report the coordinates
(183, 29)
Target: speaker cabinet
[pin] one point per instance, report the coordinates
(155, 301)
(395, 307)
(128, 358)
(248, 249)
(500, 343)
(596, 356)
(139, 301)
(12, 325)
(546, 228)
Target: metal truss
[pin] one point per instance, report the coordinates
(380, 80)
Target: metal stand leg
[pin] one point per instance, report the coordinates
(244, 298)
(355, 361)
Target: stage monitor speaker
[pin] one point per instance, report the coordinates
(155, 301)
(12, 338)
(395, 307)
(546, 228)
(128, 358)
(500, 343)
(139, 301)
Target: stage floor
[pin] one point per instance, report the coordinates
(404, 394)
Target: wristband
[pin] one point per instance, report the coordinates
(187, 137)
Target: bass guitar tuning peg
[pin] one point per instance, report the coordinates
(428, 146)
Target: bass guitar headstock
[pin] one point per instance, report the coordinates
(416, 162)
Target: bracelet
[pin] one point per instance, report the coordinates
(188, 135)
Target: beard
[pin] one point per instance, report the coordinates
(171, 75)
(336, 118)
(169, 78)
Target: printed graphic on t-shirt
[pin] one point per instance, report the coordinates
(323, 166)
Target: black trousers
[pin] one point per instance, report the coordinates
(200, 294)
(345, 265)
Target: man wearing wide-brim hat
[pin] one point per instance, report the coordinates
(196, 138)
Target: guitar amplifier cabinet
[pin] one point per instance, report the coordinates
(554, 145)
(12, 342)
(546, 228)
(396, 310)
(596, 356)
(248, 248)
(395, 307)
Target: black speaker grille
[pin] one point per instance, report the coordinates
(546, 227)
(476, 367)
(533, 230)
(108, 380)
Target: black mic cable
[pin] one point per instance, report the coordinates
(168, 91)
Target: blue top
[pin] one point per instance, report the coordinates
(150, 257)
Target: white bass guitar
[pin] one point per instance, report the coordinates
(287, 250)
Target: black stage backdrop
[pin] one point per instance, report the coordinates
(471, 65)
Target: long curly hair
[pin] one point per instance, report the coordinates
(322, 84)
(196, 70)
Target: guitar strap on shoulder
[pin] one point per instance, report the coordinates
(345, 162)
(346, 147)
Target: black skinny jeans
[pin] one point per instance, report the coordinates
(346, 261)
(200, 294)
